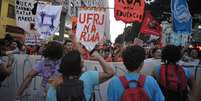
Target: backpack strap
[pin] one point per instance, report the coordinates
(124, 81)
(181, 77)
(141, 80)
(163, 75)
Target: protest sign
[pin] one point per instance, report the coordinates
(73, 7)
(93, 3)
(129, 10)
(90, 27)
(32, 39)
(150, 26)
(25, 11)
(100, 4)
(47, 19)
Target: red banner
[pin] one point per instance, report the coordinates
(150, 25)
(129, 10)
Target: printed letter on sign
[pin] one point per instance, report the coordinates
(129, 10)
(90, 27)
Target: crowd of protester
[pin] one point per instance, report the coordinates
(63, 78)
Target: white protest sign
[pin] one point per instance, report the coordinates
(32, 39)
(93, 3)
(25, 15)
(47, 19)
(102, 4)
(90, 27)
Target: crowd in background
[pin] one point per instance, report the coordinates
(71, 53)
(110, 51)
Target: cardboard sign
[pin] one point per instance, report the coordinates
(100, 4)
(25, 15)
(129, 10)
(48, 19)
(90, 27)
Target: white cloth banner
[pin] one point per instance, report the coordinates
(47, 19)
(25, 15)
(24, 63)
(32, 39)
(90, 27)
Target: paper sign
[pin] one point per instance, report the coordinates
(47, 19)
(25, 15)
(90, 27)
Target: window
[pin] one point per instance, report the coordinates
(11, 11)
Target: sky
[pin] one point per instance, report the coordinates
(116, 27)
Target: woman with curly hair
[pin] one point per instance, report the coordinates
(46, 68)
(172, 77)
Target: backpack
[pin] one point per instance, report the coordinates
(70, 90)
(3, 73)
(134, 94)
(173, 83)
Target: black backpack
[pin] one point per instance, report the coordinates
(3, 75)
(71, 90)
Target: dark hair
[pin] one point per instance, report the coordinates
(67, 41)
(8, 37)
(133, 56)
(53, 50)
(119, 39)
(19, 44)
(71, 64)
(171, 54)
(154, 50)
(2, 45)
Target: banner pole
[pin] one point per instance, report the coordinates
(62, 26)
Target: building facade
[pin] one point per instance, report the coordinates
(7, 20)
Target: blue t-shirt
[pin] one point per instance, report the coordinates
(188, 72)
(90, 79)
(115, 88)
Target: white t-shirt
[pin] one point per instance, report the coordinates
(149, 66)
